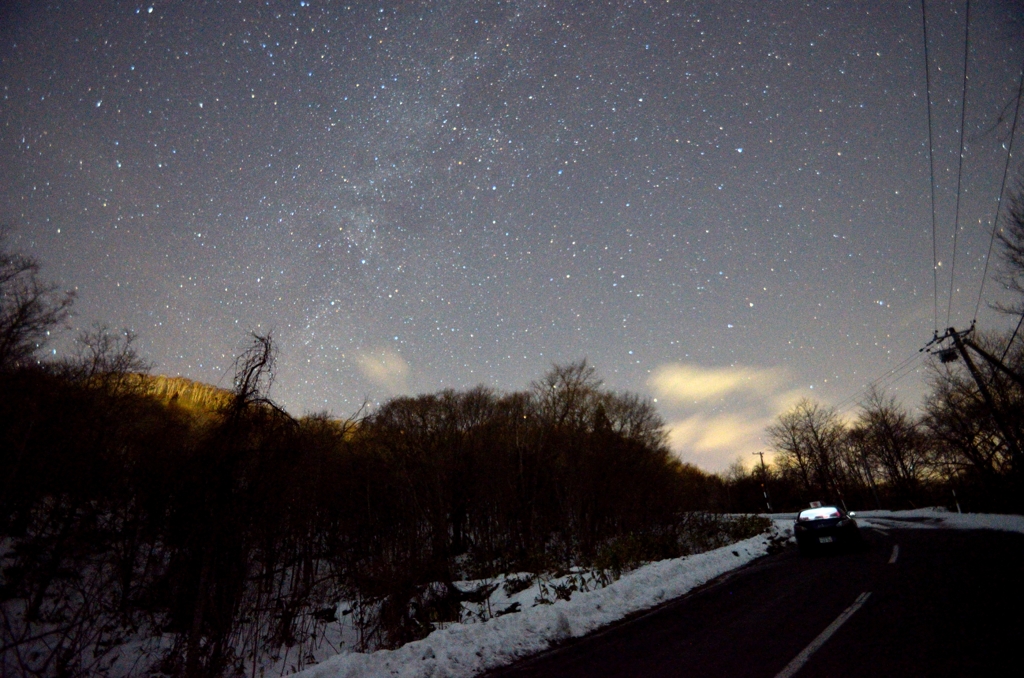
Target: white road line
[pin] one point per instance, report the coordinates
(878, 529)
(801, 659)
(895, 553)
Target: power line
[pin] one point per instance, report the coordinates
(1002, 189)
(859, 395)
(889, 378)
(931, 167)
(896, 375)
(1012, 337)
(960, 164)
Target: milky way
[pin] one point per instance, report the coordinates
(724, 206)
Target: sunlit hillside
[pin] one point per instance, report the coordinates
(200, 400)
(191, 395)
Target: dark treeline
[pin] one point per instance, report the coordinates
(236, 531)
(960, 451)
(963, 449)
(218, 530)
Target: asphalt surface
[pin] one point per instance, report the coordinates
(950, 603)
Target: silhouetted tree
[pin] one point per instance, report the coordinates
(970, 448)
(809, 442)
(892, 445)
(1011, 240)
(29, 307)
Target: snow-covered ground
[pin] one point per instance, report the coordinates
(925, 518)
(933, 518)
(467, 649)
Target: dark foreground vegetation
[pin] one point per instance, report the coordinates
(136, 507)
(235, 531)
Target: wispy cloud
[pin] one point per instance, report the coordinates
(386, 369)
(718, 414)
(714, 433)
(683, 383)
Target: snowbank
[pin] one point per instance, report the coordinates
(463, 650)
(468, 649)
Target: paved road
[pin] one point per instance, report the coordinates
(951, 603)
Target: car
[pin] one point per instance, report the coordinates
(826, 527)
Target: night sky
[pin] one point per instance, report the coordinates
(722, 205)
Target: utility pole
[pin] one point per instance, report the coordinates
(992, 360)
(871, 476)
(764, 481)
(1004, 429)
(947, 355)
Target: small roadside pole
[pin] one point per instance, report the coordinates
(871, 477)
(764, 481)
